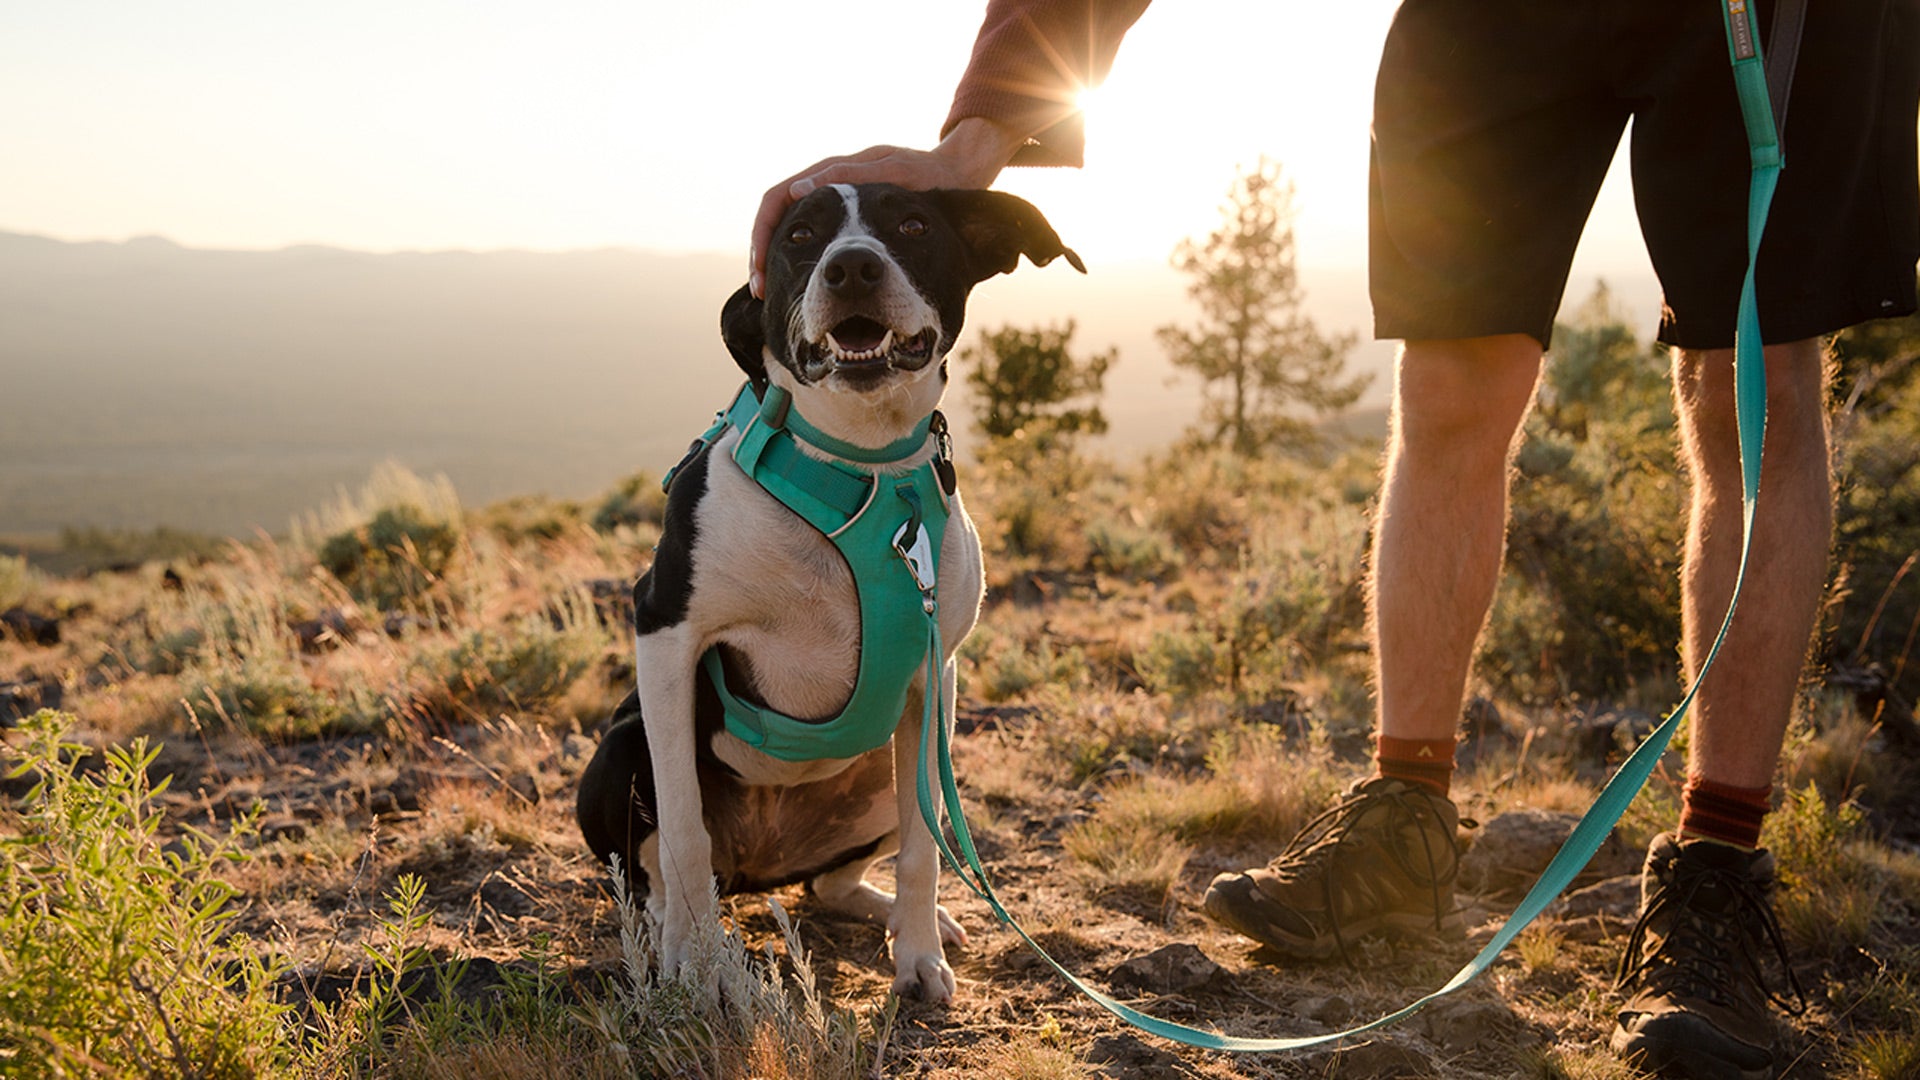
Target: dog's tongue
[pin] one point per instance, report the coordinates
(859, 334)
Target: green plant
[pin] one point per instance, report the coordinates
(243, 665)
(1834, 886)
(1261, 359)
(16, 580)
(1023, 381)
(117, 953)
(526, 665)
(393, 543)
(397, 556)
(636, 500)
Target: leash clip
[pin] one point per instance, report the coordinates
(917, 553)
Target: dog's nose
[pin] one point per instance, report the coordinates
(853, 272)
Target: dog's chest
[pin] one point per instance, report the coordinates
(778, 594)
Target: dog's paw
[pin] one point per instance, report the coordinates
(676, 950)
(951, 932)
(928, 977)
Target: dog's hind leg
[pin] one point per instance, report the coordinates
(846, 890)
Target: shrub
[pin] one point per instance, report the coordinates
(243, 665)
(525, 666)
(1143, 554)
(1836, 884)
(117, 954)
(396, 557)
(16, 580)
(394, 542)
(637, 500)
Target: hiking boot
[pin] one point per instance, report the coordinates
(1381, 860)
(1698, 1004)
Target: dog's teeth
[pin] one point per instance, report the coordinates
(841, 352)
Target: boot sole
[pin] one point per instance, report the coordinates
(1398, 926)
(1691, 1058)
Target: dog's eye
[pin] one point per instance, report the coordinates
(913, 226)
(800, 234)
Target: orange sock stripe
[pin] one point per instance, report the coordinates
(1731, 815)
(1427, 762)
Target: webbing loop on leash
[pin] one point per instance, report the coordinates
(1750, 393)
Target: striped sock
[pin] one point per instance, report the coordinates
(1427, 762)
(1722, 812)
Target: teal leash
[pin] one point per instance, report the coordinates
(1750, 393)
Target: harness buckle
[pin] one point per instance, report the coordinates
(917, 552)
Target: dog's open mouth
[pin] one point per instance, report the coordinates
(859, 342)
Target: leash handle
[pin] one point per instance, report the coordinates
(1750, 393)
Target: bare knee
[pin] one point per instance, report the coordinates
(1463, 398)
(1796, 423)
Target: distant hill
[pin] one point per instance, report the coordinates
(143, 383)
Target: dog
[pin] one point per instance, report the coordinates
(866, 291)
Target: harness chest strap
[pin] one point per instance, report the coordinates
(882, 525)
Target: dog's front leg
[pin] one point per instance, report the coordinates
(666, 662)
(920, 967)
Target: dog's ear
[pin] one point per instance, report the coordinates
(743, 327)
(998, 228)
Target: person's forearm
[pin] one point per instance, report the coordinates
(1031, 61)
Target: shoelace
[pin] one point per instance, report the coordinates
(1704, 976)
(1405, 807)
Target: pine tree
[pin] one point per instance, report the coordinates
(1262, 359)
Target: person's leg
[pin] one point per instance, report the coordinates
(1740, 716)
(1706, 915)
(1383, 860)
(1441, 529)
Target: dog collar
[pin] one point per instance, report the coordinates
(777, 408)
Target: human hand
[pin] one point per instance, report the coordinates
(971, 155)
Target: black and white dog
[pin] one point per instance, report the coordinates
(865, 294)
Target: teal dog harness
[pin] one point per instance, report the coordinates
(887, 526)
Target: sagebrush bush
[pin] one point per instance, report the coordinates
(117, 954)
(523, 666)
(1835, 884)
(394, 542)
(239, 662)
(397, 556)
(16, 580)
(636, 500)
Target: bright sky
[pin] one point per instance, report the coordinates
(555, 124)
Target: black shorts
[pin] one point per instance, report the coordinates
(1495, 121)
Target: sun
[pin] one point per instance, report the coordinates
(1197, 92)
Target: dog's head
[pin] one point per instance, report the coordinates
(866, 291)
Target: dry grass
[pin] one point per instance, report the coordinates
(1166, 686)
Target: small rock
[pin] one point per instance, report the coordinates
(1332, 1009)
(23, 625)
(283, 827)
(526, 787)
(577, 747)
(1172, 969)
(19, 700)
(1378, 1060)
(330, 630)
(1514, 847)
(1460, 1026)
(1610, 734)
(1616, 897)
(1124, 1056)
